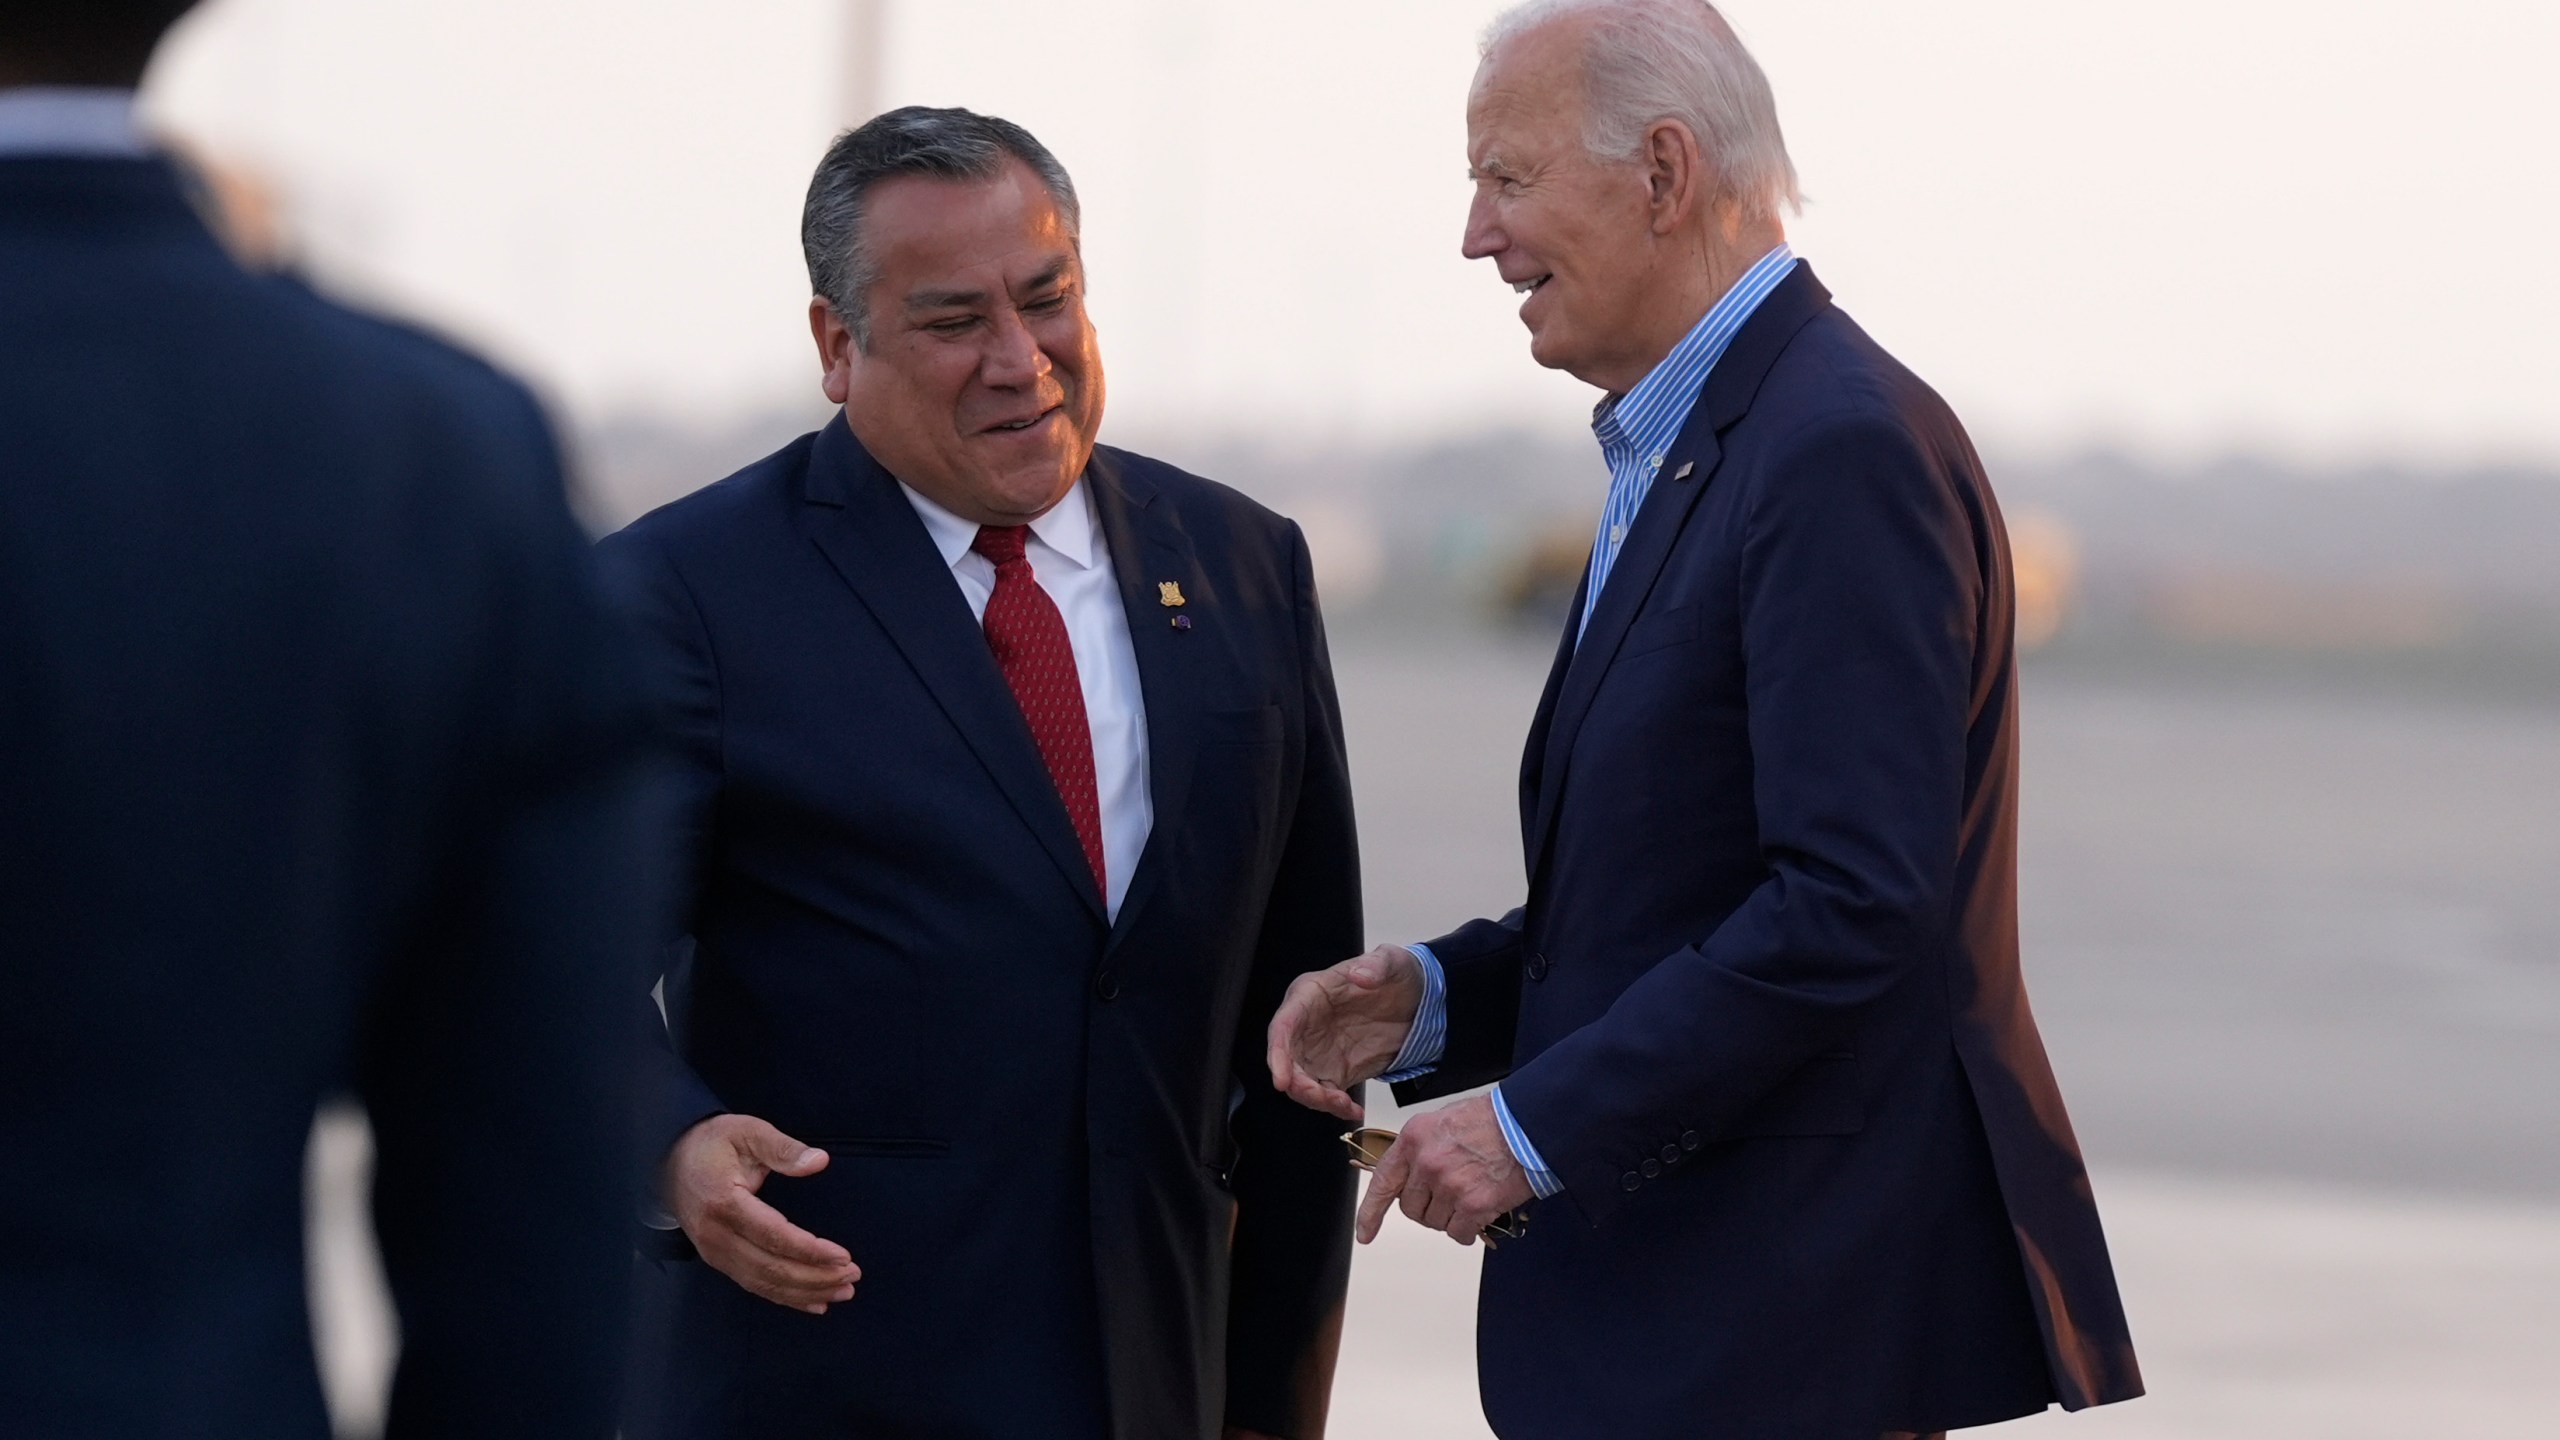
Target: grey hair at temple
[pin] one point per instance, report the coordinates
(915, 140)
(1655, 60)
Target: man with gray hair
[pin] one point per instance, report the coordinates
(1767, 1083)
(1015, 799)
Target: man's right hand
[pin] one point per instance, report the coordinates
(711, 1180)
(1340, 1026)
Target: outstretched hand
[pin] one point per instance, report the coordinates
(711, 1180)
(1340, 1026)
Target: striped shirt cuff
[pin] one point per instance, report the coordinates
(1543, 1182)
(1428, 1040)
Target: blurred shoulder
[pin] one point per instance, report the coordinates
(414, 374)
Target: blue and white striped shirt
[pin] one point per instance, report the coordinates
(1636, 430)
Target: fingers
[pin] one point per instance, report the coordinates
(1281, 1052)
(751, 1243)
(777, 1152)
(762, 1226)
(1384, 1186)
(1316, 1095)
(1307, 1006)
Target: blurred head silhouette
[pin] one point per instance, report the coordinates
(82, 42)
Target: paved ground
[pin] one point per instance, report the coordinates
(2263, 1312)
(2297, 957)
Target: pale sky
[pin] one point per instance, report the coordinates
(2317, 230)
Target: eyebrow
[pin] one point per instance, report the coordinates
(967, 299)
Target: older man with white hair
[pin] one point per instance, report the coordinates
(1768, 1084)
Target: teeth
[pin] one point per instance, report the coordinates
(1525, 286)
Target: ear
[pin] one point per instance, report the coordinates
(1675, 172)
(836, 350)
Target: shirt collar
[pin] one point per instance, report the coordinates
(93, 122)
(1068, 528)
(1644, 421)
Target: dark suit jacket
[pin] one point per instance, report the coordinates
(1067, 1223)
(1762, 1010)
(317, 767)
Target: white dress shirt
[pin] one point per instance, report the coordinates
(1071, 562)
(92, 122)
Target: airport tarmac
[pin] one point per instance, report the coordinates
(2296, 955)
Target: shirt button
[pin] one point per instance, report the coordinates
(1688, 1139)
(1107, 985)
(1651, 1168)
(1538, 967)
(1630, 1180)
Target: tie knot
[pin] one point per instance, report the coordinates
(1000, 543)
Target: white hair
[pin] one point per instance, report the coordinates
(1652, 60)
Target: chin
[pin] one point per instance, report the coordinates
(1549, 351)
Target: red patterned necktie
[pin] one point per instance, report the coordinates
(1029, 638)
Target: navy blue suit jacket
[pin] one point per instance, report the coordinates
(1067, 1224)
(318, 765)
(1762, 1010)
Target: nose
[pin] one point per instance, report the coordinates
(1014, 359)
(1484, 237)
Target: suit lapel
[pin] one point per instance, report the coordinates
(875, 540)
(1148, 547)
(1688, 467)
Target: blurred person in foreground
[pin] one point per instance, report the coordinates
(1766, 1066)
(318, 770)
(1016, 799)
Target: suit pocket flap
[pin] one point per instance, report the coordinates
(1821, 1098)
(890, 1147)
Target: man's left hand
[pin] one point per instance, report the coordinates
(1452, 1170)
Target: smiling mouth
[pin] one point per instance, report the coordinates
(1523, 287)
(1009, 427)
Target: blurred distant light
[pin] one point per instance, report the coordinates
(2047, 564)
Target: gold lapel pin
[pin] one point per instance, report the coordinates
(1169, 592)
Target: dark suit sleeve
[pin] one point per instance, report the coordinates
(683, 678)
(1862, 593)
(1292, 1246)
(495, 1063)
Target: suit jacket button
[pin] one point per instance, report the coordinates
(1107, 985)
(1670, 1154)
(1537, 967)
(1651, 1168)
(1688, 1139)
(1630, 1180)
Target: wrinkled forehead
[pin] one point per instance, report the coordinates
(1006, 230)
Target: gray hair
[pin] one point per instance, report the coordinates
(914, 140)
(1654, 60)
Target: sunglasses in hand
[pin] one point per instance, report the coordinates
(1368, 1145)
